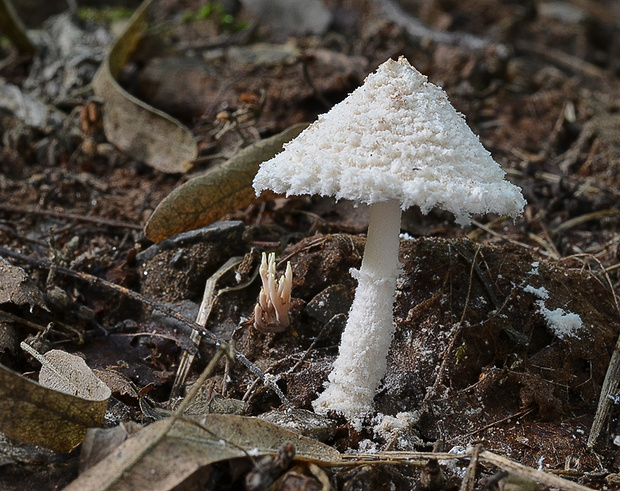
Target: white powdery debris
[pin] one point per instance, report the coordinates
(563, 324)
(534, 269)
(387, 427)
(615, 399)
(541, 292)
(397, 432)
(453, 464)
(367, 446)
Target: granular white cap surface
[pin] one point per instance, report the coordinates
(395, 137)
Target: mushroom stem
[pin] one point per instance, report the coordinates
(361, 362)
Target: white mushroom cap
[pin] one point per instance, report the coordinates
(395, 137)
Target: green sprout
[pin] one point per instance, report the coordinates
(104, 15)
(460, 352)
(215, 12)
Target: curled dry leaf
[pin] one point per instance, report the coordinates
(11, 26)
(223, 189)
(55, 417)
(190, 446)
(138, 129)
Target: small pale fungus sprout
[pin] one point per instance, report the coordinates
(271, 313)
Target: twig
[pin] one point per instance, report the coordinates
(420, 458)
(19, 320)
(13, 28)
(320, 97)
(530, 473)
(467, 484)
(612, 377)
(68, 216)
(471, 277)
(577, 65)
(416, 29)
(573, 222)
(42, 263)
(504, 237)
(208, 299)
(520, 414)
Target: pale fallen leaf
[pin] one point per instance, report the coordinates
(189, 447)
(138, 129)
(223, 189)
(67, 373)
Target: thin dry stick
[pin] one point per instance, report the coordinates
(69, 216)
(612, 377)
(420, 458)
(476, 233)
(442, 368)
(396, 457)
(519, 414)
(467, 484)
(497, 234)
(573, 222)
(19, 320)
(206, 307)
(471, 276)
(417, 30)
(563, 59)
(529, 473)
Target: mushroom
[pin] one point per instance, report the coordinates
(394, 142)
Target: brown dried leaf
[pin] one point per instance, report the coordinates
(117, 382)
(42, 416)
(138, 129)
(100, 442)
(188, 447)
(223, 189)
(16, 287)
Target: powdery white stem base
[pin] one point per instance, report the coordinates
(361, 362)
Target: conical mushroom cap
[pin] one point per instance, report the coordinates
(395, 137)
